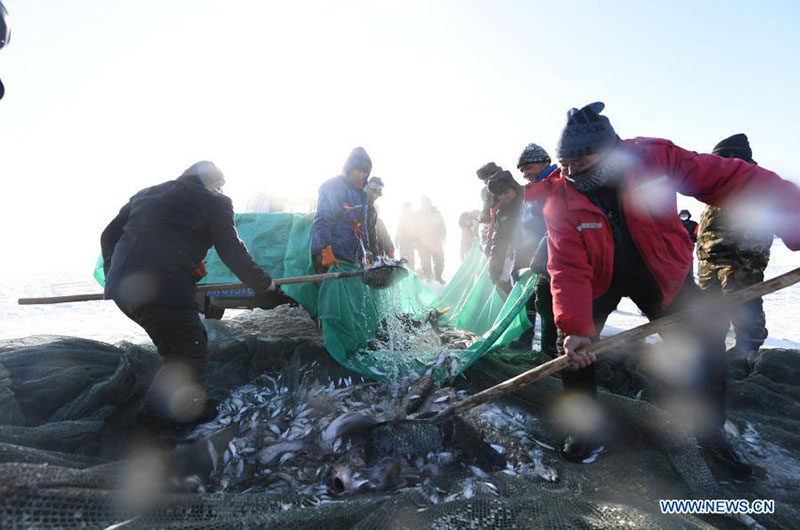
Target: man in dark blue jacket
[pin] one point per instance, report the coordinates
(151, 252)
(535, 165)
(340, 224)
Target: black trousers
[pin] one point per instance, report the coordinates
(707, 381)
(544, 306)
(178, 334)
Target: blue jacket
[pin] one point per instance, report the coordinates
(340, 220)
(532, 226)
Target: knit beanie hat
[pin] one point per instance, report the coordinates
(532, 154)
(736, 146)
(487, 170)
(586, 132)
(501, 181)
(358, 159)
(208, 173)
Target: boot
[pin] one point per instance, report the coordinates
(718, 446)
(577, 449)
(525, 341)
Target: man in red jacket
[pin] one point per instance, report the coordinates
(613, 232)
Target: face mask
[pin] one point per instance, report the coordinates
(684, 217)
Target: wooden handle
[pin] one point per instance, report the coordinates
(61, 299)
(200, 288)
(510, 385)
(620, 339)
(283, 281)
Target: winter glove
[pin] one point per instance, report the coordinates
(328, 258)
(199, 272)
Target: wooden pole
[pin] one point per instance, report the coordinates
(615, 341)
(200, 288)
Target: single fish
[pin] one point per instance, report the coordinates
(595, 454)
(268, 454)
(347, 423)
(417, 393)
(342, 480)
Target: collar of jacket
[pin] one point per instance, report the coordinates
(546, 172)
(195, 180)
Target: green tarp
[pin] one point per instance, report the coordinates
(351, 313)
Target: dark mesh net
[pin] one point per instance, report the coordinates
(68, 427)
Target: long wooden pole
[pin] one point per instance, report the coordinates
(620, 339)
(200, 288)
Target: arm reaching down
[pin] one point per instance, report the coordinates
(233, 252)
(112, 233)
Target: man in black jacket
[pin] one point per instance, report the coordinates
(690, 226)
(151, 252)
(506, 215)
(380, 243)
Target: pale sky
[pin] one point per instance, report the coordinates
(105, 97)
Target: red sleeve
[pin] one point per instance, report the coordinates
(570, 277)
(730, 182)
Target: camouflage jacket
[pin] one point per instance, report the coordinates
(721, 242)
(489, 201)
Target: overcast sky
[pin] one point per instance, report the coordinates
(104, 97)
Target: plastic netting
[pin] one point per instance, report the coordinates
(352, 313)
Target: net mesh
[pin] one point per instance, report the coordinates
(53, 482)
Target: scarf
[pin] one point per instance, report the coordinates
(606, 171)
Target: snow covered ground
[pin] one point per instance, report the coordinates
(103, 321)
(784, 329)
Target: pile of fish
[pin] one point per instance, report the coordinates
(289, 433)
(402, 332)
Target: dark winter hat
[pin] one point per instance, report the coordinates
(208, 173)
(532, 154)
(736, 146)
(487, 170)
(358, 159)
(502, 181)
(375, 183)
(586, 132)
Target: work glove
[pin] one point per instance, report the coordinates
(199, 272)
(328, 258)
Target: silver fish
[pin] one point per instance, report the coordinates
(268, 454)
(342, 480)
(347, 423)
(212, 452)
